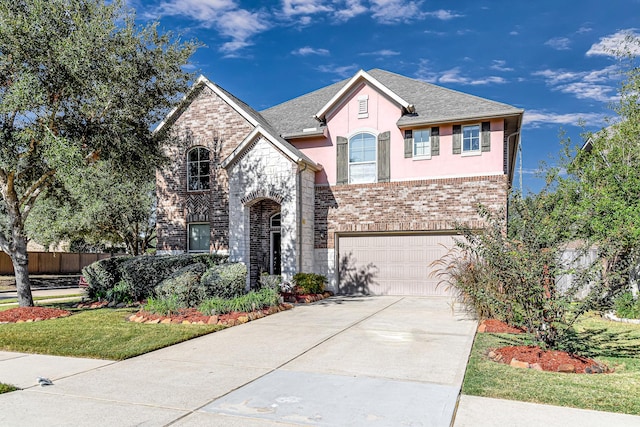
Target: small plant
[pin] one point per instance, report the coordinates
(309, 283)
(164, 306)
(254, 300)
(627, 306)
(119, 293)
(272, 281)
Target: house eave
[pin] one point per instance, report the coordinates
(407, 123)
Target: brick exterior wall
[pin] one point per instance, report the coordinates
(260, 246)
(425, 205)
(210, 122)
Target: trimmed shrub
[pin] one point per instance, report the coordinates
(254, 300)
(225, 281)
(211, 260)
(185, 285)
(103, 275)
(627, 306)
(309, 283)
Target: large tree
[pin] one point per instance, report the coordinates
(601, 188)
(99, 206)
(80, 82)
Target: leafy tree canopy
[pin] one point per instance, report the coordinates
(79, 82)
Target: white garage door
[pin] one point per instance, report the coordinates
(392, 264)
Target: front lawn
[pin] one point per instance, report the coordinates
(615, 344)
(100, 333)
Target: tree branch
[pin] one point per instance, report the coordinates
(36, 186)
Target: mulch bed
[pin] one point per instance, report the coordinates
(532, 357)
(31, 314)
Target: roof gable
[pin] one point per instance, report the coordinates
(361, 76)
(287, 149)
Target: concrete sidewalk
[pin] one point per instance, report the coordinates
(379, 361)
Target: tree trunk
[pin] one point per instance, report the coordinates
(20, 262)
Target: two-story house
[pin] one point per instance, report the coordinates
(361, 181)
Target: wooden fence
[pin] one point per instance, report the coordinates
(53, 262)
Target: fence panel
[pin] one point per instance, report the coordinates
(53, 262)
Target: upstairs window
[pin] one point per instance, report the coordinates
(198, 169)
(471, 139)
(362, 159)
(422, 143)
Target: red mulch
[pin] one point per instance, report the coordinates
(498, 327)
(31, 314)
(549, 360)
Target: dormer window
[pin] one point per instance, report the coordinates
(363, 106)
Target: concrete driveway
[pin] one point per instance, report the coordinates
(374, 361)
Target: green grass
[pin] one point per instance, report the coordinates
(6, 388)
(102, 334)
(615, 344)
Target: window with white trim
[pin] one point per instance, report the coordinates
(199, 237)
(422, 143)
(362, 159)
(471, 139)
(198, 169)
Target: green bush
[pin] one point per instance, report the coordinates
(103, 275)
(254, 300)
(164, 306)
(309, 283)
(627, 307)
(141, 274)
(225, 281)
(185, 285)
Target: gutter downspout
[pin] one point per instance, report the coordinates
(299, 233)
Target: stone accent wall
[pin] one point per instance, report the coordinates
(424, 205)
(210, 122)
(263, 172)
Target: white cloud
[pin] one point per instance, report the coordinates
(394, 11)
(224, 15)
(514, 33)
(500, 65)
(383, 52)
(537, 118)
(453, 76)
(616, 43)
(343, 71)
(584, 29)
(595, 84)
(308, 50)
(558, 43)
(443, 15)
(303, 7)
(351, 9)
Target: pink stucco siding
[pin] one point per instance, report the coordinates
(383, 114)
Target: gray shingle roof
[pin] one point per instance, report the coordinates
(433, 104)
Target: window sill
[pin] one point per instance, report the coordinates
(363, 115)
(472, 153)
(421, 158)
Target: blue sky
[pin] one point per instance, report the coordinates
(548, 57)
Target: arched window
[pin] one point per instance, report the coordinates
(362, 158)
(198, 169)
(275, 220)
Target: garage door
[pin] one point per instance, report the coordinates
(392, 264)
